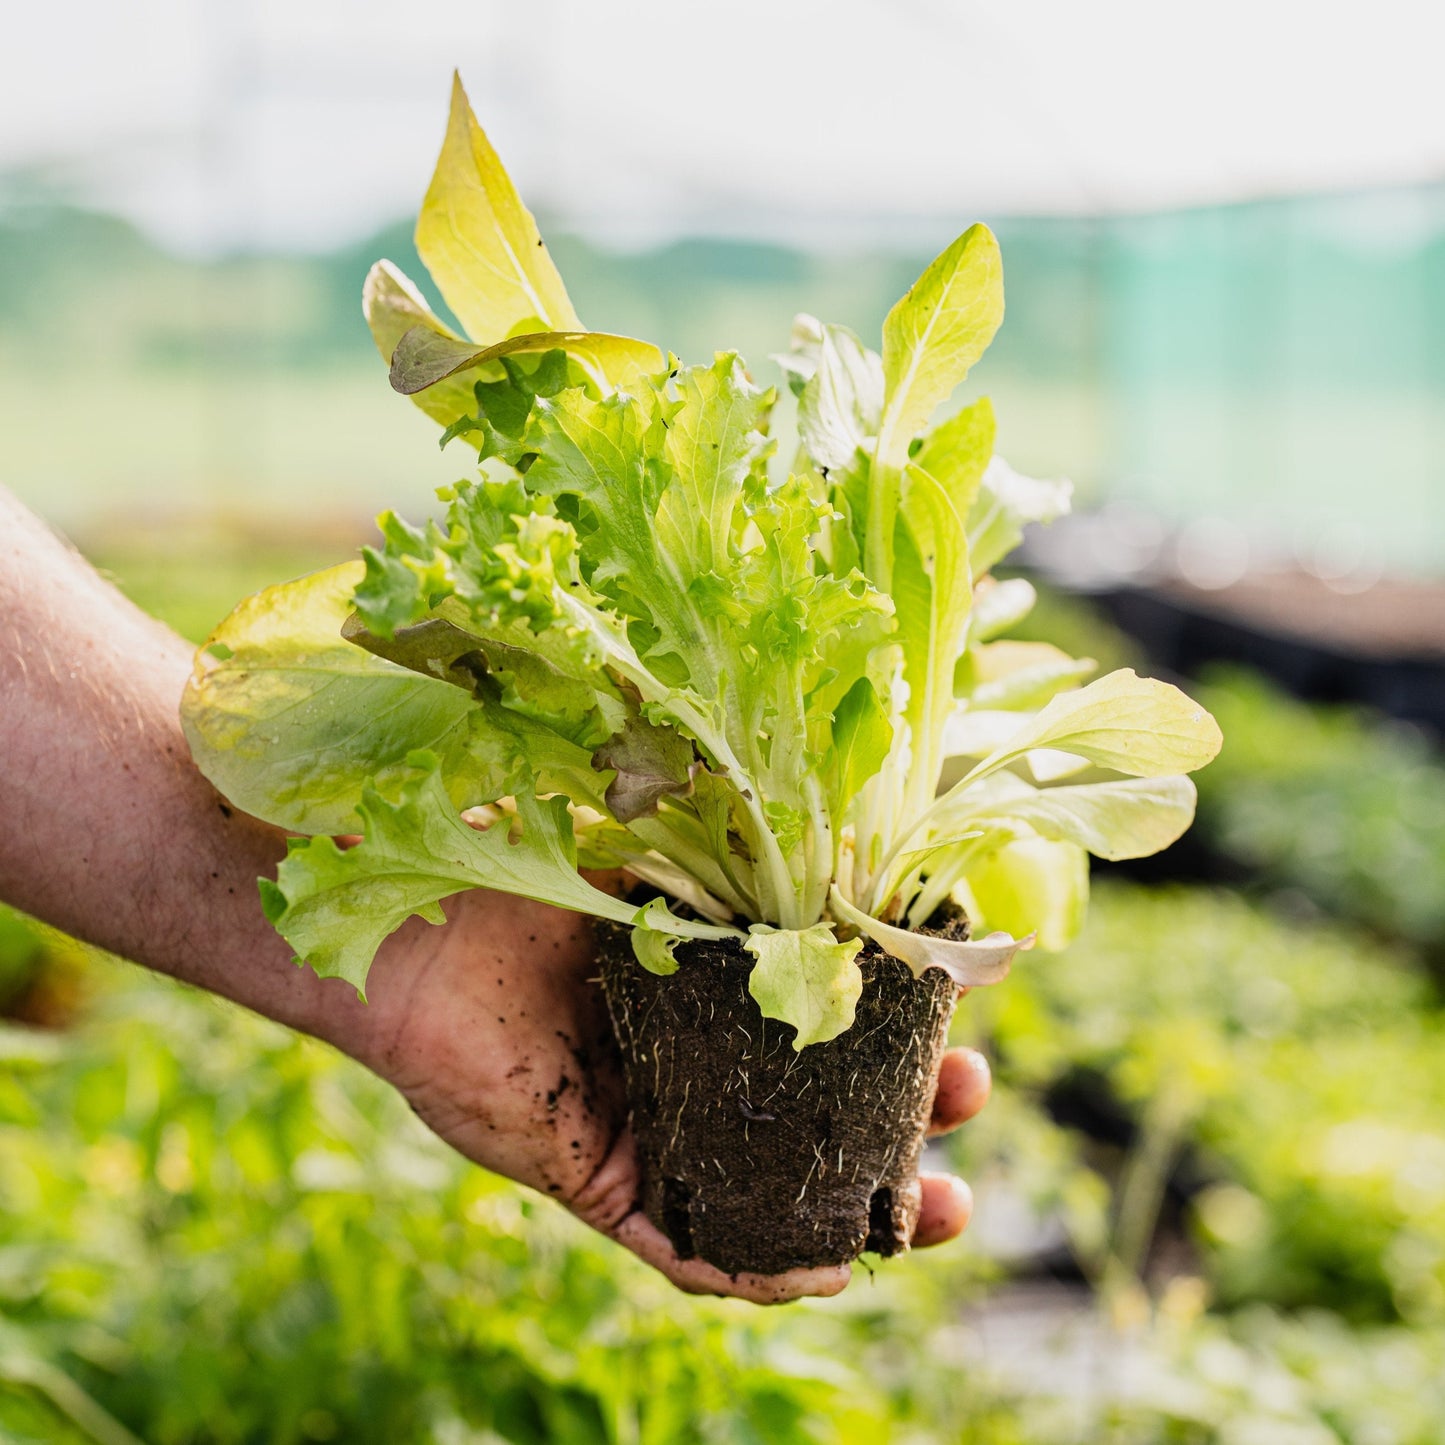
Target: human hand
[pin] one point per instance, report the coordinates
(496, 1032)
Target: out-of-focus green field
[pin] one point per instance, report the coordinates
(1210, 1191)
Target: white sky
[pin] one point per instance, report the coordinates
(260, 122)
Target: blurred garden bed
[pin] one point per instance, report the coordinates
(1210, 1186)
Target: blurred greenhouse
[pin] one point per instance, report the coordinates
(1266, 366)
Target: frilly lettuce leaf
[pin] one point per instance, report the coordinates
(336, 906)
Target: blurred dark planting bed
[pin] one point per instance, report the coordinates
(1330, 690)
(1345, 637)
(1384, 648)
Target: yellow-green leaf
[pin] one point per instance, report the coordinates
(1121, 818)
(935, 334)
(1134, 725)
(932, 594)
(480, 242)
(968, 962)
(807, 978)
(931, 339)
(290, 721)
(1033, 885)
(956, 453)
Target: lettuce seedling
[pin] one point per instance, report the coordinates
(633, 640)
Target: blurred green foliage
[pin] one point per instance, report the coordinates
(227, 1233)
(211, 1230)
(1346, 808)
(1298, 1072)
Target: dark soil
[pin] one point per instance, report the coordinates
(759, 1158)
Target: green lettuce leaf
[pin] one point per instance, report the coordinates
(806, 978)
(935, 334)
(716, 447)
(480, 243)
(290, 721)
(956, 453)
(336, 906)
(652, 945)
(1122, 818)
(862, 733)
(932, 592)
(1131, 724)
(931, 339)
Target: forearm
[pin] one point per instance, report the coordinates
(110, 831)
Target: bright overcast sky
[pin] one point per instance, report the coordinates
(281, 122)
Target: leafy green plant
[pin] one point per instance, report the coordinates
(629, 643)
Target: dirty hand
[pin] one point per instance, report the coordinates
(495, 1030)
(489, 1025)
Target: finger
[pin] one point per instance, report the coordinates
(946, 1209)
(696, 1276)
(964, 1083)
